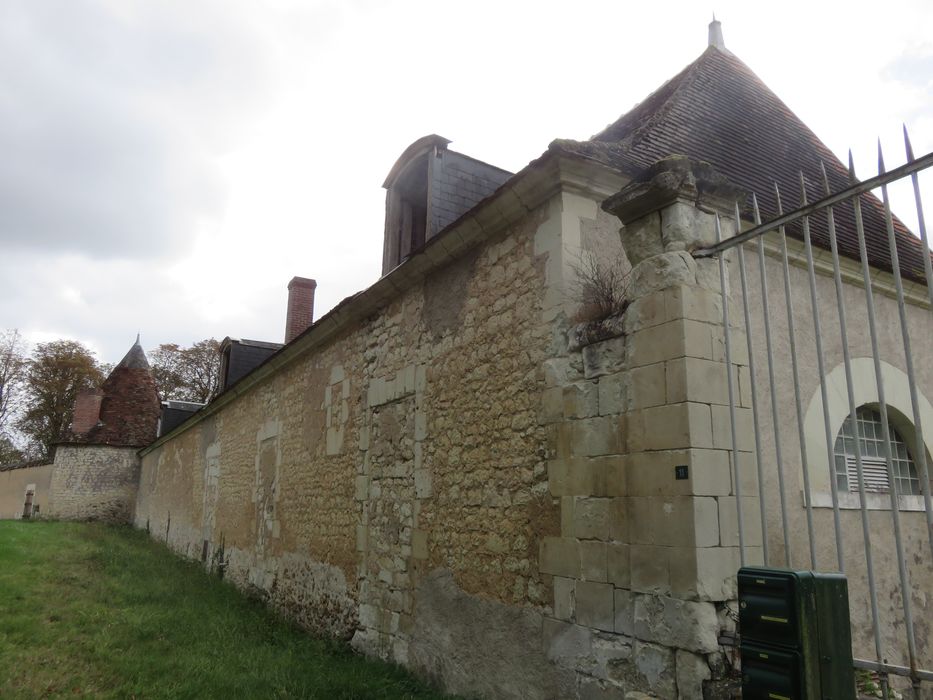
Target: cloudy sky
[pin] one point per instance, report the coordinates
(168, 166)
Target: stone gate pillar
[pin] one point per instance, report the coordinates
(645, 564)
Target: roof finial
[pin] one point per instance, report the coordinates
(137, 337)
(715, 34)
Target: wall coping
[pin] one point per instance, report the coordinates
(524, 192)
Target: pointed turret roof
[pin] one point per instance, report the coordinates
(717, 110)
(135, 358)
(130, 407)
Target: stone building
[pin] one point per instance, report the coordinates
(461, 470)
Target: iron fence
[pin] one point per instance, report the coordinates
(779, 342)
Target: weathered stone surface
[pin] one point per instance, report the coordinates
(692, 672)
(641, 237)
(483, 648)
(651, 670)
(594, 605)
(93, 482)
(603, 357)
(678, 623)
(662, 271)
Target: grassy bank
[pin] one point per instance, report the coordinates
(94, 611)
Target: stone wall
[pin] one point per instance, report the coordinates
(391, 475)
(93, 482)
(14, 483)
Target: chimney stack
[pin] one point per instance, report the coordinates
(87, 411)
(300, 307)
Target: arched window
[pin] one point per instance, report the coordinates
(870, 444)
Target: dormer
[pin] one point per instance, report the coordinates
(428, 188)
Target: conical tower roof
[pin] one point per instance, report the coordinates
(717, 110)
(130, 408)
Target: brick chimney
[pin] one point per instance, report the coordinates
(300, 307)
(87, 411)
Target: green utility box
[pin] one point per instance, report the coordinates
(796, 643)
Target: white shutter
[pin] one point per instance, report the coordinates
(875, 471)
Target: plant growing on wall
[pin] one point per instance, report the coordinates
(600, 285)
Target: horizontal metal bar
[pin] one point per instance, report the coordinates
(851, 191)
(891, 668)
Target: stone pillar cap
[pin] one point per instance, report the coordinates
(671, 179)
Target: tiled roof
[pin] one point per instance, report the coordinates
(717, 110)
(129, 411)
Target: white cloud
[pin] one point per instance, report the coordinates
(168, 167)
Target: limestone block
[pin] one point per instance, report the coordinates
(667, 341)
(613, 393)
(578, 476)
(624, 608)
(559, 556)
(649, 310)
(651, 675)
(566, 515)
(673, 520)
(616, 473)
(551, 409)
(650, 569)
(423, 483)
(362, 488)
(558, 371)
(619, 519)
(593, 561)
(591, 688)
(729, 521)
(662, 271)
(362, 538)
(565, 643)
(738, 348)
(647, 386)
(596, 436)
(678, 623)
(581, 400)
(694, 303)
(747, 470)
(692, 671)
(594, 605)
(563, 598)
(610, 650)
(591, 518)
(708, 275)
(722, 428)
(707, 573)
(419, 544)
(617, 562)
(653, 473)
(672, 426)
(604, 357)
(695, 379)
(641, 238)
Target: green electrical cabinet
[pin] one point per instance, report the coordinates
(796, 643)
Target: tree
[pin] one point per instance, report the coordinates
(187, 374)
(12, 378)
(56, 373)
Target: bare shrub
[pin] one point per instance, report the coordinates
(600, 285)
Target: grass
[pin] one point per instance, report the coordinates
(104, 612)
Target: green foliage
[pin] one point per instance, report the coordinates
(56, 373)
(187, 374)
(105, 612)
(12, 380)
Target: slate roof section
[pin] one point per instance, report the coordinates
(717, 110)
(129, 411)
